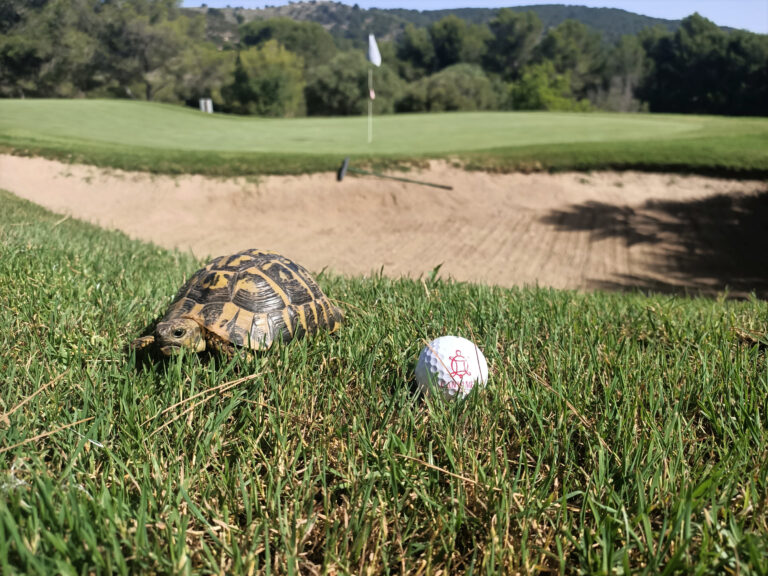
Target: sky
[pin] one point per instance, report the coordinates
(747, 14)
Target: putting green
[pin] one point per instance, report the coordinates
(163, 138)
(146, 125)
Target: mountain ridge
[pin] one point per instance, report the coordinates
(353, 23)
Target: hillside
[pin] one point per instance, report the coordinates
(354, 23)
(612, 23)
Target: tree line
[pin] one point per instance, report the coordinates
(153, 50)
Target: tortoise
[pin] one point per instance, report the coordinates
(249, 299)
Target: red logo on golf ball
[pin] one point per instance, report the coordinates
(459, 369)
(459, 366)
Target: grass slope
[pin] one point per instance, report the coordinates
(163, 138)
(618, 433)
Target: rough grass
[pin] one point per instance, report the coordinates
(618, 433)
(171, 139)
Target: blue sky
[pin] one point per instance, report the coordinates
(748, 14)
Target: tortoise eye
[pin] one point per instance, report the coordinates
(178, 333)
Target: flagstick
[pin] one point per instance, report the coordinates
(370, 106)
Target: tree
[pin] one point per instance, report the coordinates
(307, 39)
(205, 71)
(455, 41)
(458, 87)
(20, 63)
(52, 51)
(416, 49)
(687, 65)
(541, 87)
(623, 74)
(72, 48)
(340, 87)
(268, 81)
(146, 41)
(14, 12)
(574, 49)
(702, 69)
(746, 74)
(514, 37)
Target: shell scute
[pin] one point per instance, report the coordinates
(258, 292)
(293, 281)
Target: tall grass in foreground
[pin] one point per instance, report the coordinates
(618, 433)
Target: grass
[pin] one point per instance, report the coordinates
(171, 139)
(618, 433)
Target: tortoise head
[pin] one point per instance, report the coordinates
(173, 335)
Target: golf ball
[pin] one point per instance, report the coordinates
(452, 365)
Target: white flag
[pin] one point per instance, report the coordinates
(374, 56)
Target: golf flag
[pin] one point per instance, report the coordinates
(374, 56)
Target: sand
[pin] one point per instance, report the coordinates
(601, 230)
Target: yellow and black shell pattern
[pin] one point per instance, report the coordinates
(253, 298)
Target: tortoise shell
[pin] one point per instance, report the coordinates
(253, 298)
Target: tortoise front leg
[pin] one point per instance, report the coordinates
(216, 346)
(142, 343)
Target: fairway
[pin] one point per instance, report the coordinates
(618, 433)
(164, 138)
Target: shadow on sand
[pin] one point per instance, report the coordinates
(703, 246)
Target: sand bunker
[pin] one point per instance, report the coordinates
(573, 230)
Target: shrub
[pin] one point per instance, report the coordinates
(458, 87)
(268, 81)
(340, 88)
(541, 88)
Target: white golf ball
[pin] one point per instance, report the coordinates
(452, 365)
